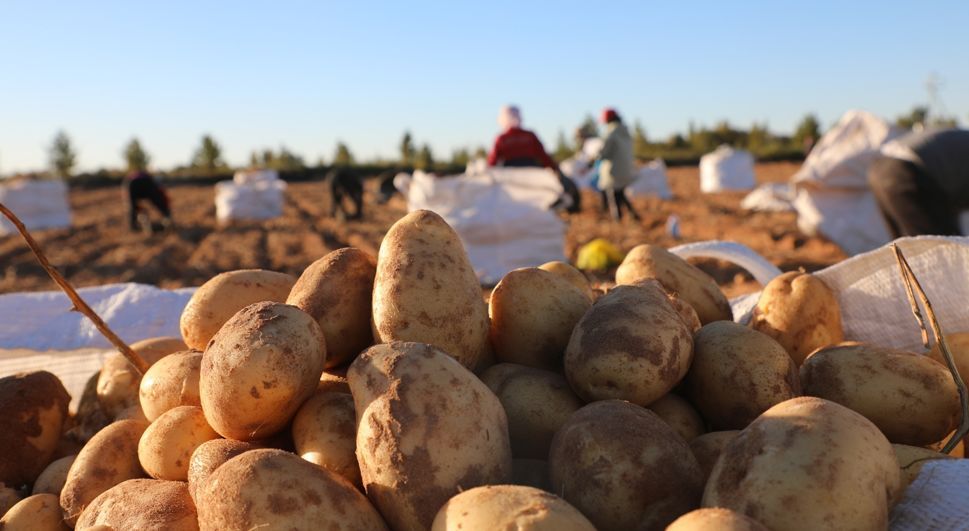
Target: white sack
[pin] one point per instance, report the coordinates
(254, 176)
(770, 197)
(651, 180)
(38, 204)
(258, 200)
(726, 168)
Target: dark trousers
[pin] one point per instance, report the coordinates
(621, 202)
(144, 190)
(910, 200)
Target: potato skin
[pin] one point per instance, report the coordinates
(807, 463)
(51, 480)
(171, 382)
(223, 295)
(143, 504)
(912, 399)
(680, 415)
(325, 434)
(427, 429)
(426, 290)
(800, 312)
(119, 380)
(509, 507)
(40, 512)
(336, 290)
(33, 409)
(715, 519)
(574, 276)
(259, 369)
(209, 456)
(678, 276)
(911, 458)
(166, 447)
(707, 447)
(624, 468)
(631, 345)
(737, 374)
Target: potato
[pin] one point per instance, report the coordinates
(807, 463)
(167, 445)
(143, 504)
(40, 512)
(109, 458)
(688, 282)
(426, 290)
(574, 276)
(325, 434)
(959, 347)
(680, 415)
(800, 312)
(624, 468)
(737, 374)
(119, 380)
(912, 399)
(8, 498)
(336, 290)
(259, 369)
(532, 315)
(281, 490)
(51, 480)
(223, 295)
(33, 410)
(171, 382)
(530, 473)
(426, 429)
(536, 402)
(630, 345)
(683, 309)
(707, 447)
(508, 507)
(209, 456)
(715, 519)
(911, 458)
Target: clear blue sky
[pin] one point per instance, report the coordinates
(306, 74)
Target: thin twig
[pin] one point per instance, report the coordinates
(79, 305)
(908, 276)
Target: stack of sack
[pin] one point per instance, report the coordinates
(726, 168)
(250, 195)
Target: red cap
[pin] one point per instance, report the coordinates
(609, 114)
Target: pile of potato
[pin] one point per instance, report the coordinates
(385, 393)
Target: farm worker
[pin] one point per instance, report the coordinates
(921, 182)
(140, 186)
(616, 167)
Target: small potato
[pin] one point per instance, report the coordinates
(509, 507)
(800, 312)
(680, 415)
(223, 295)
(171, 382)
(574, 276)
(51, 480)
(678, 276)
(325, 434)
(707, 447)
(119, 380)
(737, 374)
(912, 399)
(167, 445)
(715, 519)
(211, 455)
(530, 473)
(33, 410)
(911, 458)
(261, 366)
(537, 403)
(40, 512)
(336, 290)
(142, 504)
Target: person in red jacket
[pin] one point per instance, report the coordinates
(517, 147)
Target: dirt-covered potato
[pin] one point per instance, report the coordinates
(807, 463)
(119, 380)
(427, 429)
(336, 290)
(707, 447)
(426, 290)
(40, 512)
(33, 410)
(800, 312)
(223, 295)
(678, 276)
(573, 275)
(683, 308)
(911, 458)
(282, 491)
(630, 345)
(51, 480)
(911, 398)
(167, 445)
(211, 455)
(715, 519)
(680, 415)
(109, 458)
(532, 315)
(537, 403)
(143, 504)
(260, 367)
(171, 382)
(737, 374)
(325, 434)
(509, 507)
(624, 468)
(530, 473)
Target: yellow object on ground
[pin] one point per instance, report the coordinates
(598, 254)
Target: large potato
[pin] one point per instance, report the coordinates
(630, 345)
(40, 512)
(574, 276)
(281, 491)
(51, 480)
(209, 456)
(532, 315)
(707, 447)
(509, 507)
(325, 434)
(737, 374)
(223, 295)
(426, 290)
(119, 379)
(336, 290)
(171, 382)
(799, 311)
(259, 369)
(33, 409)
(537, 403)
(167, 445)
(680, 415)
(109, 458)
(911, 458)
(715, 519)
(427, 429)
(810, 464)
(911, 398)
(624, 468)
(142, 504)
(679, 276)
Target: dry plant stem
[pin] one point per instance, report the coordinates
(79, 305)
(912, 285)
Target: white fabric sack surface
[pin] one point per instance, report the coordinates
(254, 176)
(769, 197)
(726, 168)
(38, 204)
(936, 499)
(259, 200)
(651, 180)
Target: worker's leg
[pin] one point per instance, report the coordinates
(131, 203)
(622, 199)
(910, 201)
